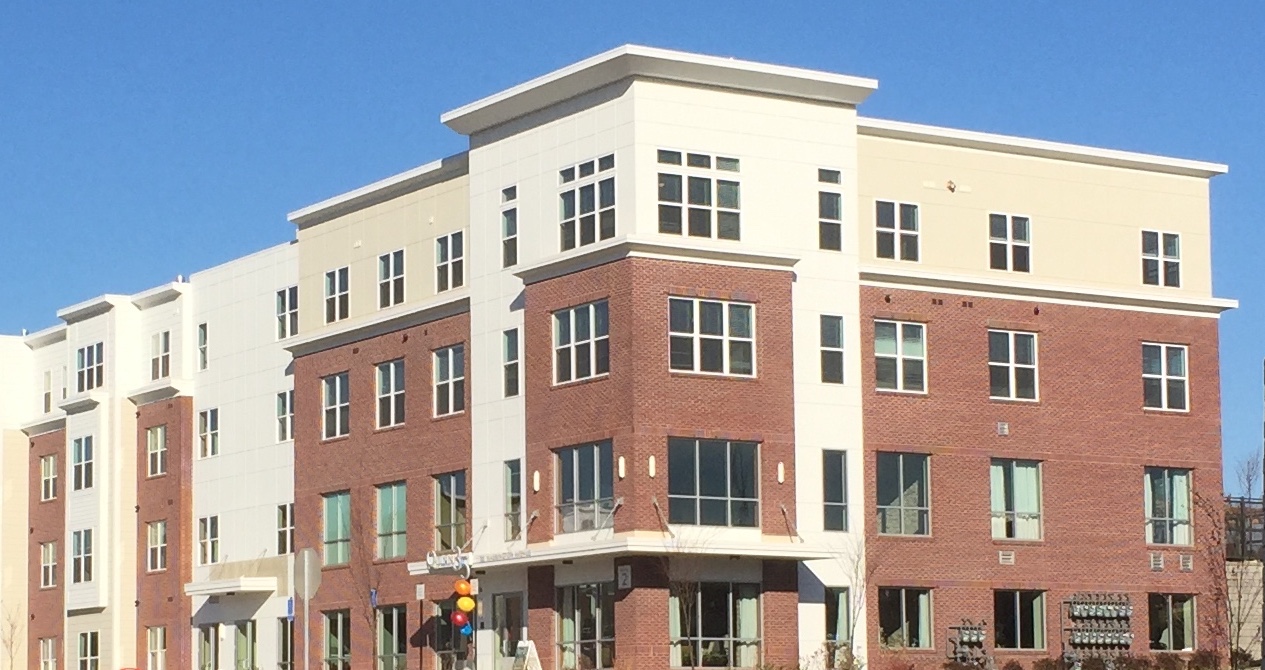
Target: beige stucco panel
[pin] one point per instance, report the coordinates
(1086, 219)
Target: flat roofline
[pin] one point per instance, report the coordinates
(631, 60)
(1024, 146)
(408, 181)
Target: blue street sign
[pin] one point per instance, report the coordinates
(290, 609)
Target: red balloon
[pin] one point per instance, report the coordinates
(459, 618)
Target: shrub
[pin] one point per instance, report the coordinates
(955, 665)
(1012, 664)
(1048, 664)
(1093, 663)
(1204, 659)
(1130, 662)
(1241, 658)
(1169, 662)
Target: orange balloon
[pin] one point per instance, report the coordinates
(462, 587)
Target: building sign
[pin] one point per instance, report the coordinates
(623, 577)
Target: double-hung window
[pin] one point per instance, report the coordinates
(336, 405)
(48, 477)
(285, 643)
(89, 651)
(1164, 377)
(160, 355)
(509, 227)
(829, 212)
(450, 380)
(586, 204)
(337, 294)
(285, 416)
(1012, 365)
(48, 653)
(203, 344)
(392, 520)
(513, 500)
(81, 556)
(900, 356)
(1009, 243)
(393, 635)
(904, 506)
(208, 647)
(1020, 619)
(831, 349)
(208, 433)
(90, 367)
(156, 638)
(336, 531)
(450, 261)
(586, 626)
(713, 482)
(904, 618)
(509, 344)
(390, 393)
(285, 529)
(81, 463)
(48, 565)
(586, 490)
(48, 391)
(1161, 259)
(450, 511)
(244, 645)
(156, 546)
(896, 240)
(1167, 498)
(208, 540)
(834, 488)
(156, 450)
(711, 336)
(391, 279)
(1016, 499)
(697, 199)
(714, 624)
(1172, 621)
(581, 342)
(287, 312)
(337, 640)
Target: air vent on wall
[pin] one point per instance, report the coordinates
(1157, 561)
(1006, 557)
(1187, 562)
(1003, 428)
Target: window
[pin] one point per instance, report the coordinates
(831, 349)
(390, 393)
(1020, 617)
(48, 477)
(509, 340)
(1008, 243)
(1167, 498)
(202, 346)
(391, 520)
(48, 653)
(392, 638)
(451, 646)
(1172, 619)
(829, 213)
(285, 644)
(581, 342)
(160, 355)
(1168, 258)
(285, 416)
(208, 433)
(244, 645)
(834, 488)
(337, 527)
(713, 482)
(48, 565)
(586, 489)
(450, 380)
(1164, 376)
(48, 391)
(450, 511)
(89, 651)
(208, 540)
(336, 403)
(287, 312)
(90, 367)
(904, 618)
(1016, 499)
(594, 191)
(157, 656)
(449, 261)
(711, 202)
(838, 624)
(513, 500)
(1012, 365)
(903, 504)
(714, 625)
(888, 234)
(390, 279)
(156, 546)
(711, 336)
(509, 227)
(900, 356)
(156, 450)
(208, 647)
(81, 556)
(586, 626)
(285, 529)
(337, 295)
(81, 463)
(338, 640)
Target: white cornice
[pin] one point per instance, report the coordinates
(159, 295)
(633, 60)
(45, 337)
(90, 308)
(663, 247)
(1023, 146)
(382, 190)
(45, 423)
(449, 303)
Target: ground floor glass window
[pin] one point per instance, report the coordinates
(714, 625)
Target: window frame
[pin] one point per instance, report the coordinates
(156, 546)
(81, 463)
(511, 368)
(513, 499)
(900, 507)
(696, 499)
(572, 605)
(160, 355)
(392, 531)
(726, 338)
(48, 564)
(711, 174)
(397, 615)
(337, 294)
(829, 352)
(337, 638)
(573, 182)
(48, 653)
(390, 385)
(1016, 609)
(603, 498)
(245, 634)
(48, 477)
(90, 367)
(509, 227)
(1161, 258)
(825, 222)
(841, 505)
(1009, 244)
(450, 261)
(81, 556)
(391, 279)
(285, 529)
(208, 539)
(1165, 378)
(89, 650)
(1010, 517)
(336, 536)
(208, 641)
(285, 643)
(335, 405)
(287, 312)
(156, 450)
(204, 343)
(1174, 525)
(838, 642)
(595, 342)
(1191, 617)
(1013, 367)
(692, 637)
(905, 591)
(208, 433)
(450, 389)
(900, 357)
(156, 647)
(285, 416)
(898, 231)
(456, 527)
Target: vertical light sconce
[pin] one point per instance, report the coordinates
(535, 481)
(781, 472)
(621, 467)
(652, 467)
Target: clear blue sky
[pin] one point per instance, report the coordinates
(139, 141)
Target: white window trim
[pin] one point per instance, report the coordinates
(285, 416)
(926, 472)
(454, 265)
(209, 433)
(332, 398)
(82, 456)
(87, 659)
(209, 540)
(393, 374)
(1009, 242)
(592, 341)
(390, 280)
(1164, 377)
(448, 385)
(81, 551)
(48, 477)
(48, 653)
(156, 644)
(397, 494)
(1012, 366)
(287, 312)
(204, 341)
(512, 359)
(1011, 463)
(90, 367)
(835, 189)
(1194, 617)
(1161, 258)
(285, 529)
(574, 186)
(931, 621)
(823, 349)
(156, 546)
(896, 202)
(156, 450)
(714, 175)
(697, 338)
(337, 294)
(160, 355)
(48, 564)
(1043, 627)
(900, 357)
(509, 206)
(1148, 495)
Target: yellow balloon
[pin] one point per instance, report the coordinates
(465, 604)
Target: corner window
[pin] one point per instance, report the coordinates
(696, 200)
(829, 212)
(81, 556)
(1020, 619)
(509, 347)
(581, 342)
(1016, 499)
(586, 497)
(208, 540)
(450, 380)
(156, 450)
(1172, 621)
(904, 618)
(1012, 365)
(1164, 377)
(450, 259)
(156, 546)
(392, 526)
(390, 393)
(48, 477)
(337, 527)
(337, 640)
(160, 355)
(711, 336)
(714, 624)
(81, 463)
(1167, 498)
(586, 626)
(391, 279)
(834, 487)
(713, 483)
(509, 227)
(287, 312)
(891, 237)
(1161, 259)
(450, 511)
(208, 433)
(336, 405)
(90, 367)
(831, 349)
(904, 507)
(587, 203)
(900, 356)
(1009, 244)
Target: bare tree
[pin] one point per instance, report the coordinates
(12, 632)
(1210, 523)
(859, 569)
(366, 578)
(1243, 579)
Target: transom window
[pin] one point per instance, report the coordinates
(1020, 619)
(586, 626)
(1016, 499)
(1167, 499)
(337, 527)
(904, 618)
(390, 393)
(713, 482)
(890, 237)
(208, 540)
(581, 342)
(587, 203)
(285, 416)
(1172, 621)
(1161, 259)
(834, 486)
(829, 212)
(450, 259)
(337, 295)
(831, 349)
(450, 380)
(1009, 244)
(392, 516)
(208, 433)
(711, 336)
(391, 279)
(81, 556)
(81, 461)
(714, 624)
(904, 507)
(48, 477)
(90, 367)
(336, 405)
(156, 546)
(700, 202)
(287, 312)
(1012, 365)
(160, 355)
(509, 227)
(900, 356)
(586, 496)
(156, 450)
(1164, 377)
(450, 511)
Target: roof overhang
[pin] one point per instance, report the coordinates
(90, 308)
(446, 304)
(647, 62)
(224, 587)
(47, 336)
(382, 190)
(159, 295)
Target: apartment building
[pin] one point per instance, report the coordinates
(682, 363)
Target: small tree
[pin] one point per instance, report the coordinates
(12, 631)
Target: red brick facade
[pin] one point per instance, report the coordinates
(48, 524)
(1088, 430)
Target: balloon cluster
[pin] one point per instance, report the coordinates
(465, 605)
